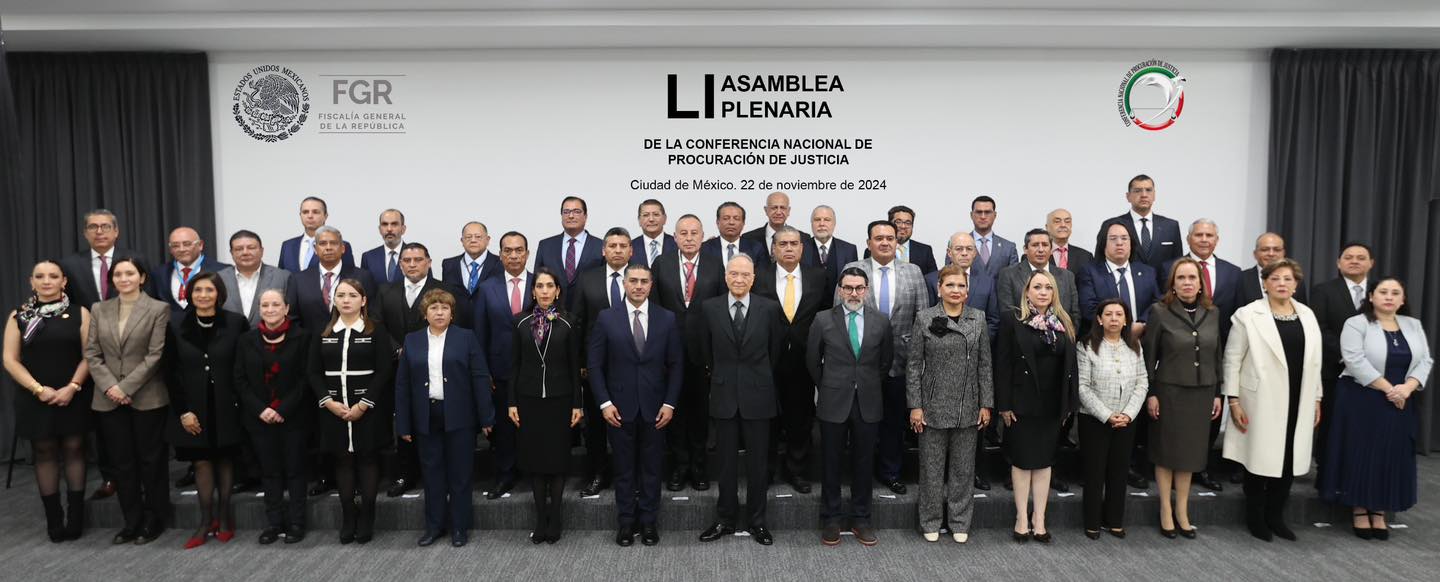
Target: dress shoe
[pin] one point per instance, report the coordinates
(895, 486)
(981, 483)
(399, 487)
(459, 539)
(124, 536)
(761, 535)
(1021, 537)
(1093, 534)
(244, 485)
(930, 536)
(1278, 527)
(294, 534)
(676, 482)
(1043, 538)
(537, 538)
(625, 537)
(830, 534)
(149, 534)
(1382, 532)
(1188, 534)
(500, 489)
(1168, 533)
(1119, 532)
(1058, 485)
(186, 480)
(106, 489)
(699, 481)
(1204, 479)
(1136, 480)
(597, 484)
(429, 538)
(649, 534)
(269, 535)
(321, 487)
(716, 531)
(799, 484)
(864, 534)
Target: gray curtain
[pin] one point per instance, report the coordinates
(1355, 155)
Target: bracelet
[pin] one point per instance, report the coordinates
(36, 389)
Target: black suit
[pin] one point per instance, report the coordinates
(80, 284)
(1079, 257)
(742, 396)
(1164, 240)
(838, 253)
(757, 237)
(716, 248)
(921, 255)
(490, 268)
(311, 302)
(797, 388)
(1332, 303)
(592, 295)
(1250, 290)
(689, 430)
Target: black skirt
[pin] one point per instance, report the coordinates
(543, 439)
(51, 357)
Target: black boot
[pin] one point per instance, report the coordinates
(365, 528)
(54, 517)
(75, 516)
(1255, 517)
(347, 520)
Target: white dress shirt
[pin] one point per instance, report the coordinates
(246, 287)
(306, 242)
(1207, 272)
(823, 247)
(659, 245)
(694, 271)
(95, 267)
(725, 248)
(466, 259)
(1139, 228)
(859, 319)
(524, 278)
(435, 363)
(780, 274)
(334, 278)
(609, 276)
(876, 280)
(177, 278)
(580, 240)
(1129, 283)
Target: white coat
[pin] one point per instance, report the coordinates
(1256, 372)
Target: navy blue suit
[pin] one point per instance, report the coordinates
(714, 249)
(639, 254)
(840, 253)
(551, 253)
(161, 283)
(310, 300)
(1098, 284)
(982, 296)
(494, 327)
(445, 429)
(450, 271)
(374, 262)
(1164, 240)
(637, 383)
(290, 255)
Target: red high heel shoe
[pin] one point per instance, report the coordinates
(226, 534)
(197, 541)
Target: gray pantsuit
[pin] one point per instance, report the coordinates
(957, 485)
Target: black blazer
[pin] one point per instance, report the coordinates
(314, 315)
(401, 319)
(840, 253)
(1250, 290)
(551, 370)
(669, 292)
(1079, 257)
(592, 290)
(742, 368)
(757, 237)
(1332, 304)
(80, 282)
(289, 387)
(550, 252)
(1164, 240)
(715, 249)
(814, 298)
(1016, 382)
(921, 255)
(193, 364)
(490, 268)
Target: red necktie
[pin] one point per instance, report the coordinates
(325, 289)
(1064, 261)
(184, 282)
(104, 278)
(689, 281)
(1205, 274)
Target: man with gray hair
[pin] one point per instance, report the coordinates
(777, 215)
(315, 286)
(383, 262)
(826, 250)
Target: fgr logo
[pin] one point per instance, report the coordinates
(270, 103)
(1151, 95)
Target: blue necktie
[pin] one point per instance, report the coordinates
(307, 252)
(885, 292)
(474, 277)
(1124, 287)
(391, 272)
(614, 289)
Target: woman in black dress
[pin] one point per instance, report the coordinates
(546, 395)
(1036, 389)
(205, 422)
(45, 355)
(270, 379)
(351, 372)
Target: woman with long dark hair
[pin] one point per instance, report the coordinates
(1112, 389)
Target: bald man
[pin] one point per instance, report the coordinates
(777, 214)
(187, 259)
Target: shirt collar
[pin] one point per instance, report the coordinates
(877, 264)
(1113, 266)
(340, 326)
(195, 266)
(860, 313)
(1210, 262)
(434, 337)
(417, 284)
(465, 259)
(644, 307)
(110, 254)
(659, 239)
(780, 271)
(1033, 268)
(609, 272)
(579, 238)
(979, 238)
(335, 271)
(731, 304)
(1135, 217)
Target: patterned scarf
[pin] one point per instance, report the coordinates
(540, 324)
(272, 339)
(1045, 321)
(32, 314)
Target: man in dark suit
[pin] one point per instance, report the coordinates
(825, 249)
(1269, 247)
(906, 249)
(383, 262)
(961, 251)
(298, 254)
(187, 259)
(1154, 239)
(683, 281)
(398, 308)
(743, 338)
(993, 252)
(599, 288)
(250, 277)
(475, 264)
(777, 214)
(849, 353)
(1010, 286)
(652, 241)
(1335, 301)
(1065, 255)
(315, 286)
(571, 252)
(802, 293)
(730, 222)
(635, 364)
(498, 302)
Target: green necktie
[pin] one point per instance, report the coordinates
(854, 334)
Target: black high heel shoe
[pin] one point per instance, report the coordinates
(1380, 533)
(1021, 537)
(1363, 533)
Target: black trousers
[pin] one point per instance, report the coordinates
(862, 461)
(1105, 456)
(756, 434)
(281, 451)
(136, 440)
(597, 461)
(893, 427)
(502, 436)
(690, 428)
(639, 449)
(447, 458)
(796, 422)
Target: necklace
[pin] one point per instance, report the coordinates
(1394, 338)
(1290, 317)
(202, 323)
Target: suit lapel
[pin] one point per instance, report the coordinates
(136, 314)
(1265, 324)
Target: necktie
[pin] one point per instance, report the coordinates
(390, 268)
(410, 292)
(739, 320)
(1205, 278)
(639, 332)
(1064, 260)
(615, 289)
(824, 253)
(1145, 234)
(515, 303)
(904, 252)
(474, 277)
(654, 252)
(325, 289)
(104, 277)
(570, 262)
(307, 253)
(790, 297)
(1359, 295)
(731, 253)
(689, 282)
(184, 282)
(854, 334)
(885, 291)
(1123, 286)
(985, 250)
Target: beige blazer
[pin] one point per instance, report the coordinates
(1256, 372)
(131, 360)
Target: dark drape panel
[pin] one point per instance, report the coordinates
(1355, 155)
(125, 131)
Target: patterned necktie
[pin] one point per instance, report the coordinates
(855, 334)
(474, 277)
(104, 277)
(1123, 287)
(985, 250)
(184, 282)
(570, 262)
(1064, 260)
(654, 252)
(1358, 294)
(390, 268)
(824, 253)
(739, 320)
(904, 252)
(885, 291)
(615, 289)
(689, 282)
(515, 303)
(1205, 278)
(790, 298)
(1145, 235)
(731, 253)
(325, 289)
(639, 332)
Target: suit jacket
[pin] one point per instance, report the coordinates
(1250, 290)
(80, 282)
(401, 319)
(131, 360)
(290, 255)
(1003, 253)
(1010, 287)
(494, 324)
(1079, 258)
(1256, 372)
(909, 299)
(592, 290)
(198, 372)
(950, 376)
(921, 255)
(637, 383)
(551, 253)
(1225, 296)
(715, 248)
(982, 296)
(639, 254)
(310, 300)
(270, 278)
(1017, 383)
(757, 236)
(669, 292)
(839, 253)
(161, 282)
(1098, 284)
(467, 384)
(1362, 344)
(814, 298)
(374, 262)
(1164, 240)
(551, 370)
(742, 366)
(490, 268)
(1333, 306)
(841, 379)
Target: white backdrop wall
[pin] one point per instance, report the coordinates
(501, 136)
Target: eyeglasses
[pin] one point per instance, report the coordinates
(852, 290)
(99, 227)
(184, 244)
(903, 222)
(572, 211)
(475, 237)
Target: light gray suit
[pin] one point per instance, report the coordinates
(270, 278)
(910, 297)
(1010, 288)
(130, 360)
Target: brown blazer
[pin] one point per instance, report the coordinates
(131, 360)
